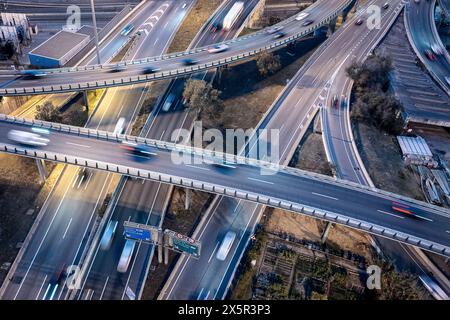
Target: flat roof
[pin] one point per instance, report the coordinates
(88, 30)
(414, 146)
(59, 45)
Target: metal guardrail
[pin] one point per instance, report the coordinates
(170, 73)
(223, 190)
(213, 155)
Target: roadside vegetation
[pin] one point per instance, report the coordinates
(202, 99)
(373, 104)
(77, 115)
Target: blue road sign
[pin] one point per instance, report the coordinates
(140, 232)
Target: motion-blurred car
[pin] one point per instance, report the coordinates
(448, 80)
(28, 138)
(402, 208)
(307, 22)
(279, 34)
(118, 68)
(126, 31)
(430, 55)
(31, 74)
(301, 16)
(188, 62)
(359, 22)
(334, 101)
(55, 282)
(274, 29)
(150, 69)
(437, 49)
(138, 149)
(386, 5)
(218, 48)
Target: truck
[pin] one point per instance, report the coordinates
(232, 15)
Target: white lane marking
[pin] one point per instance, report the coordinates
(156, 41)
(67, 228)
(104, 287)
(324, 195)
(207, 295)
(89, 179)
(420, 217)
(42, 240)
(78, 145)
(200, 294)
(195, 167)
(46, 291)
(40, 289)
(391, 214)
(263, 181)
(164, 131)
(237, 205)
(212, 253)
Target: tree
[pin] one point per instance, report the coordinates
(201, 97)
(398, 285)
(48, 112)
(268, 63)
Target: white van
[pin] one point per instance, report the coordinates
(120, 126)
(126, 255)
(226, 245)
(108, 235)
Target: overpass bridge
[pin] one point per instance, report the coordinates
(339, 201)
(170, 65)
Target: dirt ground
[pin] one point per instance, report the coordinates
(21, 197)
(310, 154)
(196, 18)
(381, 155)
(179, 220)
(302, 227)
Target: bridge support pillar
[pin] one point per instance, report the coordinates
(332, 26)
(187, 201)
(317, 127)
(166, 256)
(160, 248)
(86, 99)
(42, 170)
(325, 232)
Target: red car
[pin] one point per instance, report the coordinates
(403, 208)
(430, 55)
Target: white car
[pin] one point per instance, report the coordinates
(302, 16)
(274, 29)
(218, 48)
(27, 138)
(437, 49)
(448, 80)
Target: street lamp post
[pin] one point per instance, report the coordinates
(95, 32)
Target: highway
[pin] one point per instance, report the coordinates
(429, 223)
(338, 140)
(241, 217)
(68, 79)
(145, 201)
(422, 33)
(69, 212)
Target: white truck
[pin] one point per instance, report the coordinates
(232, 15)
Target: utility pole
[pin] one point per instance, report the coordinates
(94, 21)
